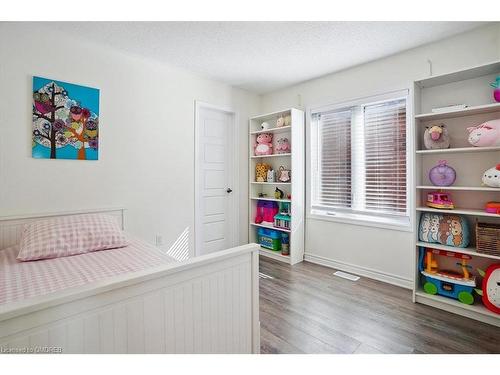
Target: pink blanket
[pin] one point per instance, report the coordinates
(21, 280)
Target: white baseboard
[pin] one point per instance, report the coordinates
(360, 271)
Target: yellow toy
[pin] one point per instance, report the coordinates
(261, 172)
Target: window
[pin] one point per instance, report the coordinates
(359, 160)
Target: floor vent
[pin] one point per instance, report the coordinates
(346, 275)
(264, 276)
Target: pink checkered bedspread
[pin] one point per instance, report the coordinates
(21, 280)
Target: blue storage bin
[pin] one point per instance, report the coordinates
(269, 238)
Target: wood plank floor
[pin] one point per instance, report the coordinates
(305, 309)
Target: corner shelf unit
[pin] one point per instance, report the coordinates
(295, 161)
(470, 87)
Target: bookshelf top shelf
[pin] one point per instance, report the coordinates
(460, 75)
(469, 111)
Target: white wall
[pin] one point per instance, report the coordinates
(382, 253)
(146, 160)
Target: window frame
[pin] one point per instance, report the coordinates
(405, 223)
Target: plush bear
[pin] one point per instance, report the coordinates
(283, 146)
(264, 145)
(436, 137)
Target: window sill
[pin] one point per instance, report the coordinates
(353, 219)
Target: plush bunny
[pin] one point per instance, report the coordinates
(486, 134)
(283, 146)
(264, 145)
(491, 177)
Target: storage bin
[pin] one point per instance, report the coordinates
(269, 238)
(488, 238)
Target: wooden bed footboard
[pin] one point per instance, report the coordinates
(208, 304)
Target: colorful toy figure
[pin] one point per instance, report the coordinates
(496, 91)
(491, 287)
(440, 200)
(264, 145)
(447, 283)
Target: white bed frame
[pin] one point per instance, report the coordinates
(208, 304)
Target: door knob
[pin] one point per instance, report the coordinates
(229, 190)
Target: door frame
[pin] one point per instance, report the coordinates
(197, 183)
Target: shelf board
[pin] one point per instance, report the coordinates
(467, 250)
(283, 129)
(460, 75)
(271, 114)
(270, 183)
(459, 150)
(465, 188)
(462, 211)
(476, 311)
(274, 255)
(270, 226)
(269, 156)
(270, 199)
(469, 111)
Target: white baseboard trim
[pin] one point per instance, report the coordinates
(360, 271)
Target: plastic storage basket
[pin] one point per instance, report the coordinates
(269, 239)
(488, 238)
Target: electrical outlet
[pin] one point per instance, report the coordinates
(159, 240)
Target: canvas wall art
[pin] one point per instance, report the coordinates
(65, 120)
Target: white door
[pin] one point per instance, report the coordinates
(215, 198)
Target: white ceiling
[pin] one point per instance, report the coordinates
(264, 56)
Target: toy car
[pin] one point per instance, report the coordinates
(439, 200)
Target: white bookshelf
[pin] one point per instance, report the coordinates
(470, 87)
(295, 161)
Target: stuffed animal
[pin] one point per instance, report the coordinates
(261, 172)
(283, 146)
(265, 126)
(264, 145)
(283, 174)
(486, 134)
(491, 177)
(451, 230)
(280, 122)
(288, 120)
(491, 287)
(436, 137)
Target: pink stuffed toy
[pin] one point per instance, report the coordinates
(486, 134)
(283, 146)
(264, 145)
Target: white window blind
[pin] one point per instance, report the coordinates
(359, 160)
(332, 164)
(385, 157)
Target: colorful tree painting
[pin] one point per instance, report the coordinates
(65, 120)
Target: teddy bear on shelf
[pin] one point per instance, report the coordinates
(283, 146)
(264, 145)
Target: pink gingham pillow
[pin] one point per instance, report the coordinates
(70, 235)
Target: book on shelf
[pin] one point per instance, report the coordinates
(449, 108)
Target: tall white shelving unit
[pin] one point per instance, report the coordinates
(295, 161)
(471, 87)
